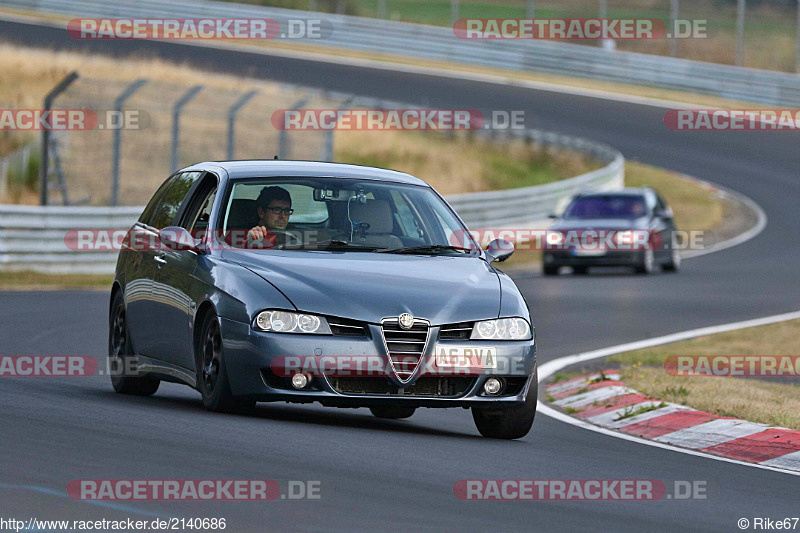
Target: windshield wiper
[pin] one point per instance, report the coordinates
(331, 244)
(427, 248)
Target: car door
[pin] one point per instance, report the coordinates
(665, 224)
(140, 251)
(152, 337)
(176, 286)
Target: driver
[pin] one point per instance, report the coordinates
(274, 207)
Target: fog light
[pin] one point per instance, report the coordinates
(492, 386)
(299, 381)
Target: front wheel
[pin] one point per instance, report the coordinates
(647, 264)
(121, 357)
(212, 376)
(508, 422)
(395, 413)
(674, 263)
(550, 270)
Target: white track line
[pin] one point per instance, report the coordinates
(551, 367)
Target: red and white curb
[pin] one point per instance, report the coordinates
(603, 400)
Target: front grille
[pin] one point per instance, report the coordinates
(405, 346)
(343, 327)
(461, 331)
(435, 387)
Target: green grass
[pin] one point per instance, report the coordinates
(631, 411)
(29, 280)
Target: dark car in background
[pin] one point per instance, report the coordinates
(366, 267)
(637, 224)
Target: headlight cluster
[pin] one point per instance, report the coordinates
(286, 322)
(502, 329)
(624, 237)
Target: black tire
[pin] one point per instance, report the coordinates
(674, 263)
(393, 412)
(121, 355)
(510, 422)
(580, 270)
(212, 376)
(550, 270)
(647, 263)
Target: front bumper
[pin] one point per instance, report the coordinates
(249, 355)
(612, 258)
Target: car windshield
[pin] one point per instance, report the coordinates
(606, 206)
(349, 214)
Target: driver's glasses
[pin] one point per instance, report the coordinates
(281, 210)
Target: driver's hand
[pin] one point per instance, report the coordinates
(262, 235)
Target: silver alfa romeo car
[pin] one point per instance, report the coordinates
(257, 281)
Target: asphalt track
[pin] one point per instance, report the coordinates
(400, 475)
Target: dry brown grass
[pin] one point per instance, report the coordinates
(757, 401)
(24, 280)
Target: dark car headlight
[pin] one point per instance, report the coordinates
(287, 322)
(502, 329)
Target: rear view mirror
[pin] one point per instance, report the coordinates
(499, 250)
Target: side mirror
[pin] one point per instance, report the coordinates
(552, 215)
(499, 250)
(179, 239)
(664, 213)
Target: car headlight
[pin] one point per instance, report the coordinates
(286, 322)
(502, 329)
(624, 238)
(554, 238)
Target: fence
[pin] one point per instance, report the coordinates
(440, 43)
(32, 238)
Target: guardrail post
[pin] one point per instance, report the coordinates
(237, 105)
(455, 8)
(118, 103)
(381, 9)
(283, 135)
(48, 103)
(740, 9)
(176, 118)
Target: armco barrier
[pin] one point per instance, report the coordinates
(32, 237)
(440, 43)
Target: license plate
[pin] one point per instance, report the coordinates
(466, 356)
(588, 253)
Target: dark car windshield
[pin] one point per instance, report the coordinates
(341, 214)
(606, 206)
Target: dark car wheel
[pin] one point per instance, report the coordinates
(580, 270)
(510, 422)
(212, 376)
(393, 412)
(674, 263)
(550, 270)
(647, 263)
(121, 356)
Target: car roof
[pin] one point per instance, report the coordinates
(276, 167)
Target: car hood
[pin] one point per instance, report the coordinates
(600, 223)
(371, 286)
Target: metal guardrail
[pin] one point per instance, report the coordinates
(440, 43)
(33, 237)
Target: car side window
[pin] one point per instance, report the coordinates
(172, 199)
(147, 214)
(198, 212)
